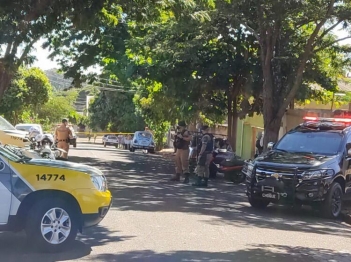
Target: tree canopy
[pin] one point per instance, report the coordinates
(30, 89)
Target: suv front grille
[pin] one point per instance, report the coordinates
(287, 175)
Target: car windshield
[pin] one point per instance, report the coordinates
(5, 125)
(112, 137)
(24, 127)
(325, 143)
(144, 135)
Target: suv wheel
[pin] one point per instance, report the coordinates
(332, 205)
(51, 225)
(258, 203)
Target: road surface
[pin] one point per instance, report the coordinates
(156, 220)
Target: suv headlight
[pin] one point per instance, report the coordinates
(249, 170)
(315, 174)
(99, 182)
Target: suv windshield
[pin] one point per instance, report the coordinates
(5, 125)
(325, 143)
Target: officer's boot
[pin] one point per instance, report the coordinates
(198, 181)
(187, 178)
(204, 183)
(175, 178)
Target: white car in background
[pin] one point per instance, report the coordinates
(142, 140)
(27, 127)
(111, 140)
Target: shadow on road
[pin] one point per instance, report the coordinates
(258, 253)
(15, 248)
(141, 184)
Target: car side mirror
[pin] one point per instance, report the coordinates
(270, 145)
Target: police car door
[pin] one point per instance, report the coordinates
(5, 191)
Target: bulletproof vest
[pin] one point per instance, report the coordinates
(210, 144)
(181, 143)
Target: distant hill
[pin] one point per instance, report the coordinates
(60, 83)
(57, 80)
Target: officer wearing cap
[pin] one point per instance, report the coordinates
(62, 136)
(205, 157)
(181, 143)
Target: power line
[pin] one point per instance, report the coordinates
(96, 84)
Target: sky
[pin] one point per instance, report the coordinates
(44, 63)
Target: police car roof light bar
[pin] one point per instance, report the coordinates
(322, 119)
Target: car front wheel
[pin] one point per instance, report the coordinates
(258, 203)
(332, 205)
(51, 225)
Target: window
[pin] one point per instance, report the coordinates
(146, 135)
(326, 143)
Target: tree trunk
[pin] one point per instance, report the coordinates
(230, 117)
(271, 132)
(234, 127)
(5, 80)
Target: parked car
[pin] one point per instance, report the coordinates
(50, 200)
(27, 127)
(309, 165)
(142, 140)
(111, 140)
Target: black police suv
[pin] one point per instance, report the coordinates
(309, 165)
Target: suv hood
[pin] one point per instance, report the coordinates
(291, 159)
(64, 165)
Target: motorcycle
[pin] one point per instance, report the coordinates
(232, 169)
(44, 145)
(218, 156)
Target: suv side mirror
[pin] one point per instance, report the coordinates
(270, 145)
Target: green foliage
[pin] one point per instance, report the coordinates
(296, 41)
(23, 23)
(115, 112)
(30, 89)
(59, 106)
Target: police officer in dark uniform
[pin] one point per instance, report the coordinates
(205, 157)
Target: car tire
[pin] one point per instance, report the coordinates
(258, 203)
(132, 149)
(38, 222)
(332, 205)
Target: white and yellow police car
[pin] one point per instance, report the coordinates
(51, 200)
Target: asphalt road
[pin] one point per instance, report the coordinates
(156, 220)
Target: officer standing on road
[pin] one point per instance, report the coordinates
(205, 156)
(62, 136)
(182, 142)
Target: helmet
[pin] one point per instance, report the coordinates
(33, 132)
